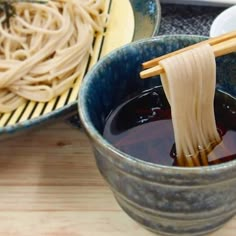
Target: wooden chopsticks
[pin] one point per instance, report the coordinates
(222, 45)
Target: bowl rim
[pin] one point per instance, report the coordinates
(158, 18)
(99, 140)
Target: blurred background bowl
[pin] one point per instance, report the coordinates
(167, 200)
(224, 22)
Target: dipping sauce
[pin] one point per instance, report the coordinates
(142, 127)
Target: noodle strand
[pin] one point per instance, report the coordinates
(43, 50)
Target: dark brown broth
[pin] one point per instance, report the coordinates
(142, 127)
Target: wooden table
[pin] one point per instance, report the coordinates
(50, 186)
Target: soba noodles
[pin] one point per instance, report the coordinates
(45, 47)
(189, 83)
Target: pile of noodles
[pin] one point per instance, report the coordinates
(45, 47)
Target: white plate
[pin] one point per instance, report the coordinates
(224, 23)
(202, 2)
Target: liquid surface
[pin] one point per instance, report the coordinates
(142, 127)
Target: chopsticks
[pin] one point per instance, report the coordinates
(222, 45)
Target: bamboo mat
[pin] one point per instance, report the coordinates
(115, 36)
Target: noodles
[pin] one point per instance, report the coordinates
(45, 48)
(189, 84)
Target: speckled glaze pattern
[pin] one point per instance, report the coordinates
(187, 19)
(167, 200)
(147, 16)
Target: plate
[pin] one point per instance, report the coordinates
(128, 21)
(203, 2)
(224, 22)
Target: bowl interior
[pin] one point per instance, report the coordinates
(117, 76)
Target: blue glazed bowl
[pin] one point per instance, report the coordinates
(167, 200)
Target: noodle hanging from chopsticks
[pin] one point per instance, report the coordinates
(189, 83)
(45, 48)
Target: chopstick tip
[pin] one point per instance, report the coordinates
(142, 75)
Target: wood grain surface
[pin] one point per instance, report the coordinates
(50, 186)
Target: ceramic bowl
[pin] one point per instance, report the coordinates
(167, 200)
(224, 23)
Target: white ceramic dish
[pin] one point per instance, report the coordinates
(202, 2)
(224, 23)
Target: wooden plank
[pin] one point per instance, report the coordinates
(89, 223)
(62, 157)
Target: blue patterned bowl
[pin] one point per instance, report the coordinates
(167, 200)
